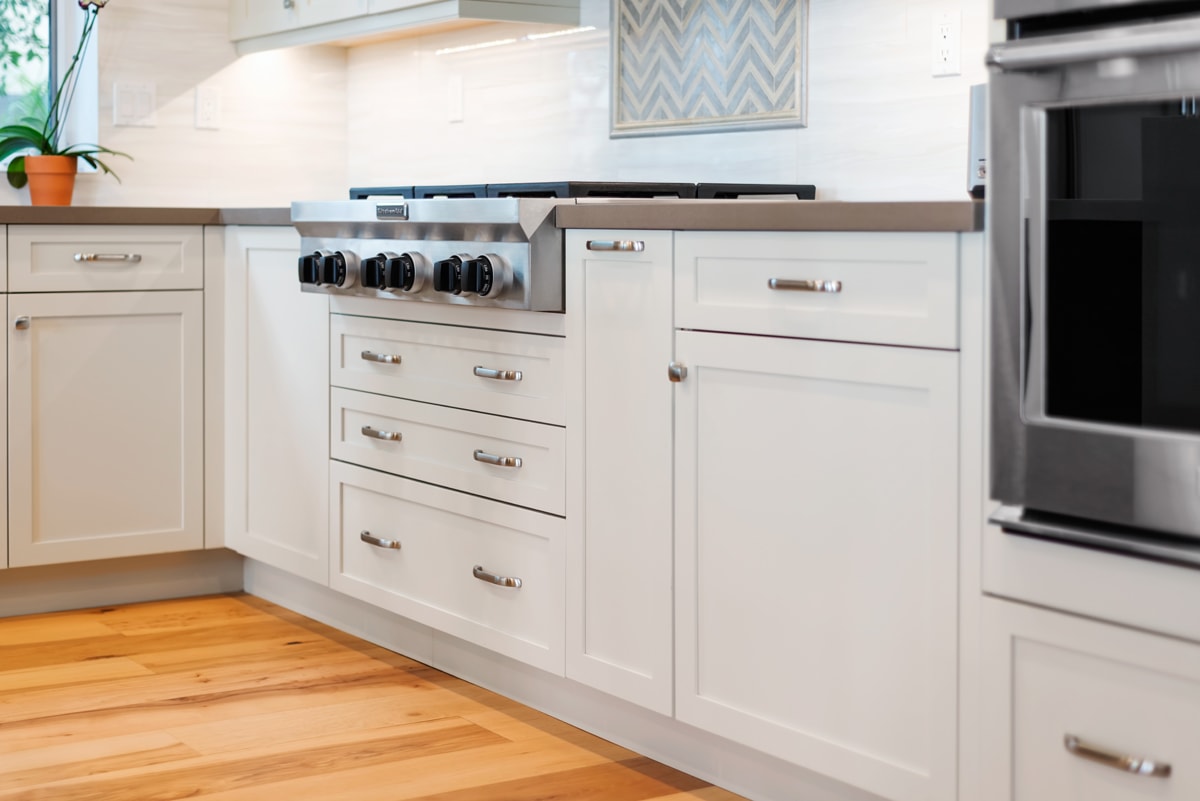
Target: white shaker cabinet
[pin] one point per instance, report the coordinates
(261, 24)
(4, 398)
(105, 392)
(276, 405)
(816, 501)
(619, 554)
(260, 17)
(106, 426)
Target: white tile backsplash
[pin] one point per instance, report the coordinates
(880, 126)
(309, 122)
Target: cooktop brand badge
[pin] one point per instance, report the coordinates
(392, 211)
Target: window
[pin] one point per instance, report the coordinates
(24, 58)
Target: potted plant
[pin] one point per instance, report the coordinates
(42, 159)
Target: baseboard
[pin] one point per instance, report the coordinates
(80, 585)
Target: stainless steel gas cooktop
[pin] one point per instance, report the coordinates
(479, 245)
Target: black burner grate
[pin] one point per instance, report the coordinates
(597, 189)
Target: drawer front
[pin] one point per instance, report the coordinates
(1122, 692)
(893, 288)
(442, 536)
(496, 372)
(497, 457)
(83, 258)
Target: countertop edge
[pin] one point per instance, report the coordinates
(775, 215)
(142, 215)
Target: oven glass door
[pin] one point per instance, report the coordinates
(1114, 255)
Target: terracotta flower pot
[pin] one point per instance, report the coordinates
(51, 179)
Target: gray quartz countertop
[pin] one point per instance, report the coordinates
(134, 215)
(772, 215)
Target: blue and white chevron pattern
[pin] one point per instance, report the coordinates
(707, 61)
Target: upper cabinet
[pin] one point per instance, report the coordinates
(266, 24)
(248, 18)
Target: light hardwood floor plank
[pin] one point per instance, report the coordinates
(231, 698)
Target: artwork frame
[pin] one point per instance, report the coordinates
(702, 66)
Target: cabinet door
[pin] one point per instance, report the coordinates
(619, 604)
(276, 406)
(816, 546)
(106, 425)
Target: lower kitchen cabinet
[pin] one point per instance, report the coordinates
(483, 571)
(816, 541)
(106, 425)
(1078, 709)
(276, 405)
(619, 554)
(4, 434)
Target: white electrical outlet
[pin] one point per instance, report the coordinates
(946, 44)
(208, 107)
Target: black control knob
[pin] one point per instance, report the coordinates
(447, 274)
(486, 276)
(310, 269)
(401, 272)
(333, 269)
(371, 273)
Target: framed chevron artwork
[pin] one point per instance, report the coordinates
(691, 66)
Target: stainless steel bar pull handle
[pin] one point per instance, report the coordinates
(787, 284)
(499, 375)
(21, 323)
(379, 542)
(380, 358)
(1123, 762)
(616, 245)
(676, 372)
(499, 461)
(375, 433)
(132, 258)
(491, 578)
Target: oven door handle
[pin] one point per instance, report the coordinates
(1152, 39)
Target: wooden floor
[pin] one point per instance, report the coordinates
(231, 697)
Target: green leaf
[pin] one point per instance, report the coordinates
(16, 172)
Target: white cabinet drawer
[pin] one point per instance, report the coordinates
(84, 258)
(895, 288)
(1126, 692)
(452, 447)
(497, 372)
(442, 537)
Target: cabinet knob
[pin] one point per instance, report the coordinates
(289, 4)
(21, 323)
(676, 371)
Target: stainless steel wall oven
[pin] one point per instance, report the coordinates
(1094, 220)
